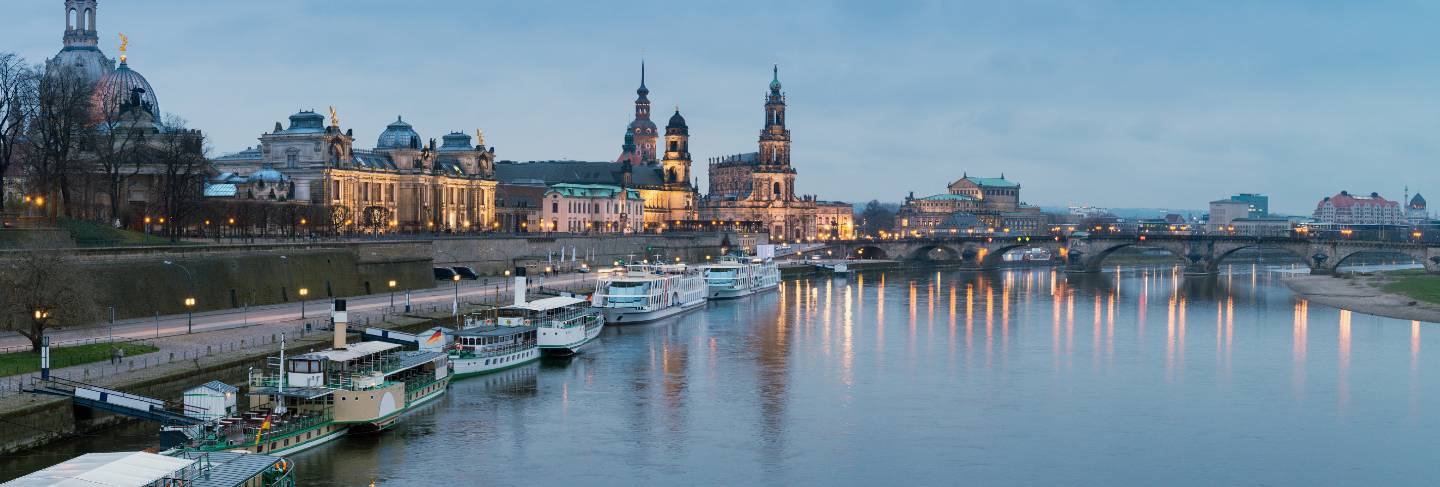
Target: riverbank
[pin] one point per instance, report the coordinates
(1362, 293)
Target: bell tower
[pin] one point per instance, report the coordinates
(677, 150)
(775, 138)
(80, 24)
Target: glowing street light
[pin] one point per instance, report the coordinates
(392, 293)
(303, 292)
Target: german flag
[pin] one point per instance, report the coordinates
(436, 337)
(263, 426)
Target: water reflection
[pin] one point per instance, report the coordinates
(794, 387)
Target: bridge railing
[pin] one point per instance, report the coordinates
(1422, 234)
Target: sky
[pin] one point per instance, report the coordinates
(1106, 103)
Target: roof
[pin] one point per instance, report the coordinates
(570, 190)
(352, 351)
(948, 197)
(548, 303)
(1345, 200)
(491, 331)
(249, 154)
(118, 469)
(217, 386)
(577, 172)
(398, 135)
(223, 190)
(228, 469)
(999, 182)
(373, 160)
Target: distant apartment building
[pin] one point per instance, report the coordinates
(1349, 209)
(1259, 204)
(582, 208)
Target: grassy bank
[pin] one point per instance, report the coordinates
(24, 362)
(1413, 283)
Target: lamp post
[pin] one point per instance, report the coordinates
(455, 304)
(303, 292)
(189, 300)
(392, 294)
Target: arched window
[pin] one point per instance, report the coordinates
(777, 190)
(674, 146)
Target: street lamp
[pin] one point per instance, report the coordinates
(303, 292)
(189, 300)
(189, 315)
(392, 294)
(455, 305)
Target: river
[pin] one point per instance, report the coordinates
(1137, 376)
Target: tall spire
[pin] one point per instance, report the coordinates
(642, 91)
(775, 79)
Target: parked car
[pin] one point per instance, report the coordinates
(466, 273)
(444, 274)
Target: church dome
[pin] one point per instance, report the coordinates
(116, 88)
(399, 135)
(676, 121)
(643, 126)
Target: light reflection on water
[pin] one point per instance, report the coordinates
(817, 384)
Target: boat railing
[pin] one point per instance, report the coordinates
(247, 425)
(473, 351)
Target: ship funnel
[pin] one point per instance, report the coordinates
(341, 318)
(519, 286)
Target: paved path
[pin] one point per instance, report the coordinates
(360, 307)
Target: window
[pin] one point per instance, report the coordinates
(555, 206)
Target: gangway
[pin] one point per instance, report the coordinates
(110, 400)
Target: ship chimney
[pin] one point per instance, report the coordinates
(340, 318)
(519, 286)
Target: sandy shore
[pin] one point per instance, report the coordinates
(1359, 295)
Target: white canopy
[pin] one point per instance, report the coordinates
(119, 469)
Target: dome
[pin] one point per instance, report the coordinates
(775, 81)
(676, 121)
(1418, 202)
(455, 141)
(642, 126)
(399, 135)
(306, 121)
(268, 174)
(116, 89)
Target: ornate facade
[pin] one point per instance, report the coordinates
(760, 186)
(971, 204)
(400, 185)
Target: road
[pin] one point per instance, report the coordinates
(315, 309)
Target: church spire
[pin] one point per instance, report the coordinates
(642, 91)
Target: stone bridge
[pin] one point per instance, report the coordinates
(1202, 254)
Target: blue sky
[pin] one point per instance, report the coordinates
(1156, 104)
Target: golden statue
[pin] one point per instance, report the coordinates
(479, 137)
(124, 44)
(334, 119)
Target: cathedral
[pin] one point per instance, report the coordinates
(760, 186)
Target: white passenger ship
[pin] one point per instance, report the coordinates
(737, 276)
(486, 348)
(563, 324)
(649, 292)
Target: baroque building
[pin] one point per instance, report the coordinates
(400, 185)
(760, 186)
(970, 204)
(663, 180)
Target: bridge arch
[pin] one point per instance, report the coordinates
(1096, 258)
(935, 253)
(995, 256)
(1298, 253)
(869, 252)
(1349, 258)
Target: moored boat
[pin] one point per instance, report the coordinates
(490, 348)
(563, 324)
(738, 276)
(649, 292)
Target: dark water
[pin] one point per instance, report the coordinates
(1022, 377)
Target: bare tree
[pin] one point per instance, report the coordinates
(15, 77)
(61, 117)
(43, 289)
(179, 154)
(113, 142)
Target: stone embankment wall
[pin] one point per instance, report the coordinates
(495, 255)
(138, 283)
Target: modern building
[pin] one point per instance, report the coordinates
(760, 186)
(1223, 212)
(1348, 209)
(994, 204)
(1259, 204)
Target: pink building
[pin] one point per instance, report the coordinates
(600, 208)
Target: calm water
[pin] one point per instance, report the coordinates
(1023, 377)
